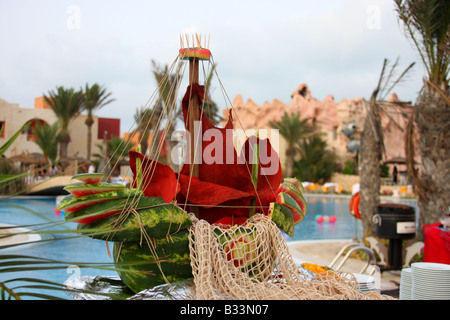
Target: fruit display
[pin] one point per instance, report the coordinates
(139, 265)
(150, 235)
(149, 223)
(289, 207)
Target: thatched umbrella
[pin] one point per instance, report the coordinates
(24, 159)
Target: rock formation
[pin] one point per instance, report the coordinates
(330, 116)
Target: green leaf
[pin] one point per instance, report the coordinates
(11, 140)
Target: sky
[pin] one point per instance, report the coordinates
(263, 49)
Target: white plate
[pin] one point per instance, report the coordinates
(363, 278)
(429, 297)
(431, 266)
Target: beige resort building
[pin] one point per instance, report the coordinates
(12, 117)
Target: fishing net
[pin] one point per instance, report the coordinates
(252, 262)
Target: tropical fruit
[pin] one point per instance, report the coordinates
(80, 189)
(157, 220)
(292, 190)
(71, 203)
(289, 202)
(143, 266)
(108, 208)
(238, 244)
(282, 216)
(88, 177)
(96, 211)
(297, 183)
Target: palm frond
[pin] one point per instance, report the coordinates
(427, 24)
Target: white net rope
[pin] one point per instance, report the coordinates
(252, 262)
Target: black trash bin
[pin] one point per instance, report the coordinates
(395, 222)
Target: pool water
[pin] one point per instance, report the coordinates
(68, 248)
(84, 249)
(345, 226)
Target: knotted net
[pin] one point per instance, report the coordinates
(252, 262)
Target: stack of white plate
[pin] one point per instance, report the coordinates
(405, 284)
(366, 283)
(430, 281)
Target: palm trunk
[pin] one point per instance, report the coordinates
(290, 159)
(64, 144)
(370, 171)
(89, 122)
(432, 186)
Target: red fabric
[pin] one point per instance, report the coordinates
(437, 244)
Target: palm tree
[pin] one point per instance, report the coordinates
(427, 24)
(317, 161)
(372, 145)
(47, 137)
(143, 117)
(110, 154)
(165, 107)
(95, 97)
(292, 129)
(66, 104)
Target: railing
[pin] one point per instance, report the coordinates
(353, 247)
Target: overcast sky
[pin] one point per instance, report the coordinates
(263, 49)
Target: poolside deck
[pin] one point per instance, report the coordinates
(13, 235)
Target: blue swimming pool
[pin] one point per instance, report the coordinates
(73, 248)
(68, 248)
(345, 227)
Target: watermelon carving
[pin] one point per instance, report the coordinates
(88, 177)
(158, 220)
(79, 189)
(239, 246)
(289, 202)
(134, 222)
(282, 216)
(139, 265)
(99, 211)
(295, 183)
(71, 203)
(291, 189)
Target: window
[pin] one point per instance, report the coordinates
(2, 129)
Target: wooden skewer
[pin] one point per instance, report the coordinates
(193, 115)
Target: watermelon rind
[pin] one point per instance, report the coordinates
(288, 201)
(71, 203)
(282, 216)
(295, 193)
(79, 189)
(157, 220)
(88, 177)
(296, 183)
(101, 210)
(144, 266)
